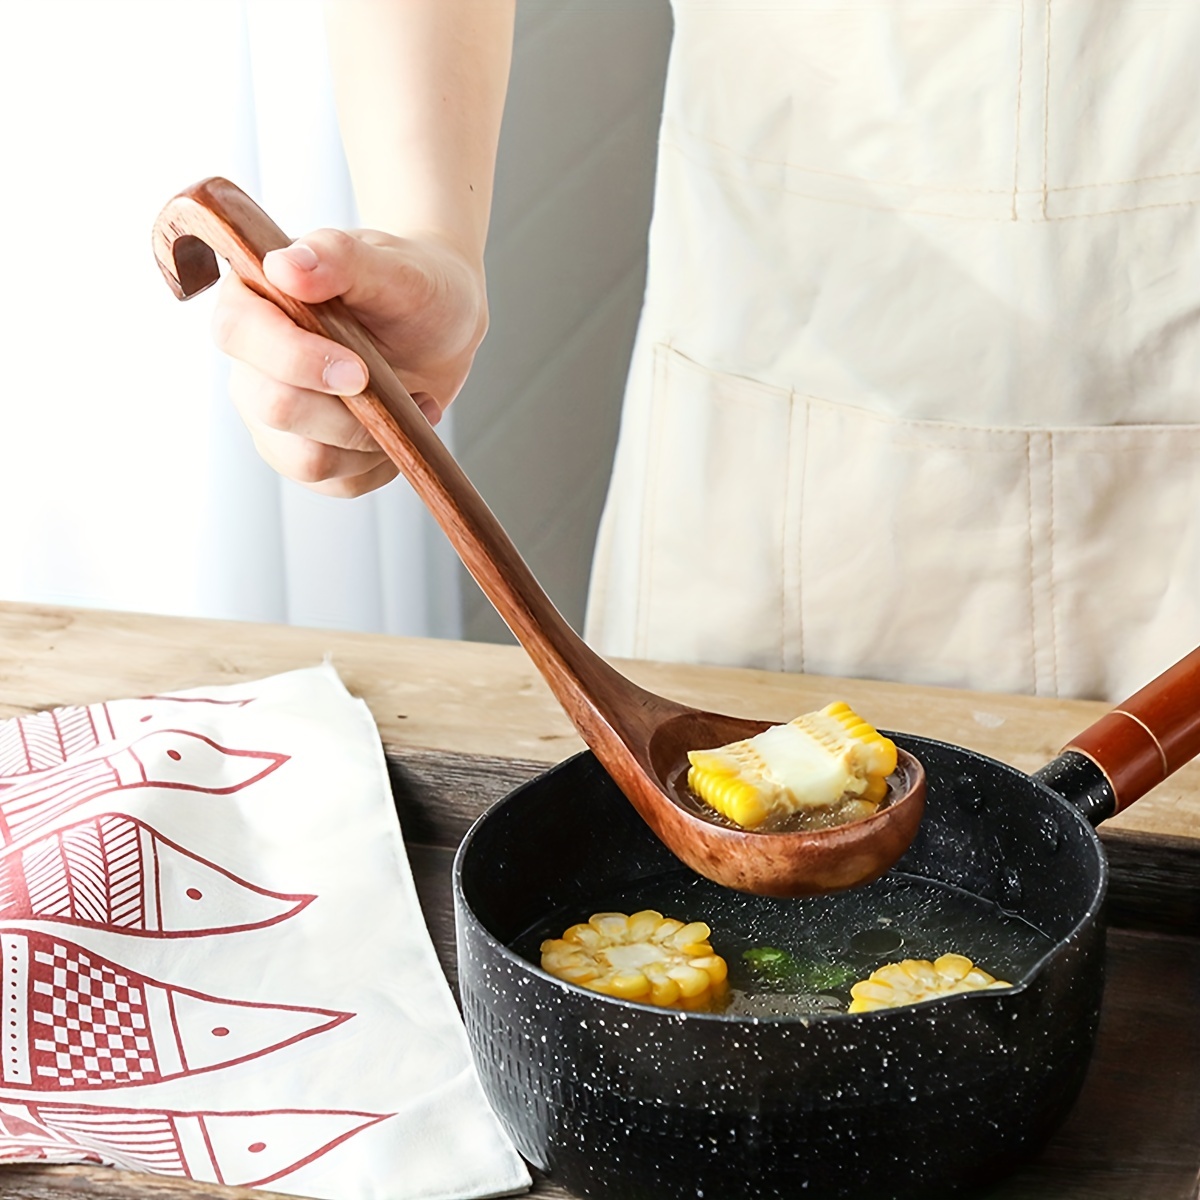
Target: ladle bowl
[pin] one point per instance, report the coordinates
(640, 738)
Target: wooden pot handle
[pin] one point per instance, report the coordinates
(1150, 735)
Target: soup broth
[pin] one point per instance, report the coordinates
(793, 957)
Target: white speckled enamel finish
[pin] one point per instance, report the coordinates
(624, 1101)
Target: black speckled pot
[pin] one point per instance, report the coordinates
(621, 1100)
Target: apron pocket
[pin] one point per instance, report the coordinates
(918, 552)
(785, 531)
(714, 533)
(791, 533)
(1122, 126)
(885, 104)
(1060, 562)
(1126, 554)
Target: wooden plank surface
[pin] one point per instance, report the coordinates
(463, 724)
(1135, 1132)
(487, 700)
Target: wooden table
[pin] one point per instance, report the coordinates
(461, 724)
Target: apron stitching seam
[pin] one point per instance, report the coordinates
(800, 538)
(784, 572)
(1020, 83)
(899, 181)
(1033, 639)
(1046, 126)
(1053, 605)
(641, 628)
(793, 563)
(1109, 212)
(1080, 187)
(942, 214)
(924, 432)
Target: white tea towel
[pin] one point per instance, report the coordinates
(214, 962)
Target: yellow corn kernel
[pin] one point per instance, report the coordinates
(713, 964)
(917, 979)
(818, 760)
(664, 991)
(645, 957)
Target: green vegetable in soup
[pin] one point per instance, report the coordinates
(782, 971)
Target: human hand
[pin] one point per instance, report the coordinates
(422, 300)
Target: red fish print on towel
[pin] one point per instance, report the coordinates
(166, 758)
(21, 1140)
(46, 739)
(114, 872)
(238, 1149)
(73, 1020)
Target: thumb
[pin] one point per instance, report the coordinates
(324, 264)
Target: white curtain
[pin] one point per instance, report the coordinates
(126, 479)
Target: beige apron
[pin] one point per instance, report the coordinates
(916, 391)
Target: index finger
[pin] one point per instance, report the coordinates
(255, 331)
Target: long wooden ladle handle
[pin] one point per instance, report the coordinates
(1150, 735)
(216, 215)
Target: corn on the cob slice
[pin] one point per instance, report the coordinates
(917, 979)
(644, 957)
(819, 760)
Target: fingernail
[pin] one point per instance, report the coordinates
(345, 377)
(302, 257)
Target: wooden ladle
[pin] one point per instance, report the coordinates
(640, 738)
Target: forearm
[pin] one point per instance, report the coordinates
(420, 90)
